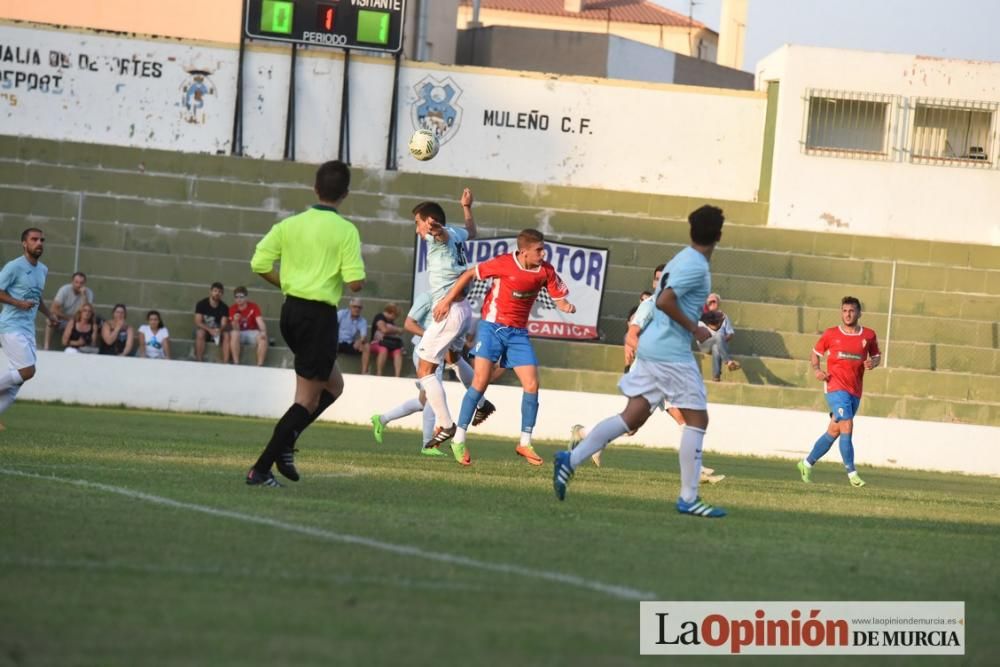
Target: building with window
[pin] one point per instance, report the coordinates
(636, 20)
(882, 143)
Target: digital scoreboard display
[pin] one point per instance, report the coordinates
(372, 25)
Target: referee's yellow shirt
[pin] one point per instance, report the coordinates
(319, 251)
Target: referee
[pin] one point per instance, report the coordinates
(319, 252)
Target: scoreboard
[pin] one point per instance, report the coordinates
(372, 25)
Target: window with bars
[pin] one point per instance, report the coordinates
(847, 124)
(953, 132)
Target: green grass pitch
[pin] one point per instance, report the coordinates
(129, 538)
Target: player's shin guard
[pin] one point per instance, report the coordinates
(286, 431)
(847, 451)
(821, 447)
(428, 423)
(10, 379)
(436, 399)
(7, 398)
(326, 399)
(529, 411)
(690, 459)
(469, 403)
(598, 438)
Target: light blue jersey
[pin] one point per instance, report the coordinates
(665, 340)
(421, 313)
(446, 261)
(26, 282)
(643, 315)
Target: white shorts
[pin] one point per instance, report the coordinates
(679, 383)
(447, 333)
(249, 336)
(20, 350)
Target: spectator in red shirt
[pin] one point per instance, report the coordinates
(249, 327)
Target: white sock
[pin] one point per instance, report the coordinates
(459, 435)
(7, 398)
(597, 439)
(11, 379)
(401, 410)
(437, 400)
(428, 424)
(690, 458)
(525, 438)
(806, 461)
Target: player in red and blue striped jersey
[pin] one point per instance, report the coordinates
(850, 350)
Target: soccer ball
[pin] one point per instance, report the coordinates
(423, 145)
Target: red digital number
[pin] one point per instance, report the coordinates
(325, 17)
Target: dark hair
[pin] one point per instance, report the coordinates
(120, 305)
(240, 290)
(430, 209)
(333, 179)
(706, 225)
(659, 269)
(158, 316)
(218, 285)
(81, 274)
(851, 301)
(529, 237)
(645, 293)
(24, 234)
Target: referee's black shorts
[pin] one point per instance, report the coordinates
(310, 329)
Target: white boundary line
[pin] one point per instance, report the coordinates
(621, 592)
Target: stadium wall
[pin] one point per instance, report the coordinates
(879, 195)
(511, 126)
(265, 392)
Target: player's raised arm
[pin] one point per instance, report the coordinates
(470, 223)
(667, 302)
(457, 290)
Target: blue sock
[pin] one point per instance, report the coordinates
(469, 403)
(822, 446)
(529, 411)
(847, 451)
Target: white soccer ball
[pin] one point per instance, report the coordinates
(423, 145)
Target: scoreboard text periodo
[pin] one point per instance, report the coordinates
(374, 25)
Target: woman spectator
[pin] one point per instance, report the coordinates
(81, 334)
(154, 338)
(117, 337)
(386, 341)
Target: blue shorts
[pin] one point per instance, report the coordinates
(507, 346)
(843, 406)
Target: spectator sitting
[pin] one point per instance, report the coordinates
(249, 327)
(351, 331)
(722, 332)
(385, 340)
(211, 315)
(117, 337)
(154, 337)
(81, 334)
(67, 302)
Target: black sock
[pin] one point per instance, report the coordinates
(286, 432)
(326, 399)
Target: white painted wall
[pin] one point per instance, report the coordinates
(266, 392)
(663, 139)
(894, 198)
